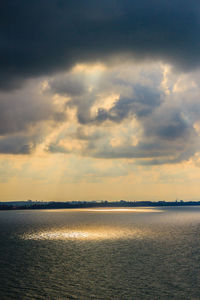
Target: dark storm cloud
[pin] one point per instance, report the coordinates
(41, 37)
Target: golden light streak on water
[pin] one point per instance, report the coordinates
(93, 233)
(135, 210)
(87, 234)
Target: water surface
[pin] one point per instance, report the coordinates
(117, 253)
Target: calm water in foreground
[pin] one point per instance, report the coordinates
(100, 254)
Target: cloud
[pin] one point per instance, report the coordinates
(18, 144)
(138, 112)
(105, 95)
(165, 137)
(44, 37)
(26, 116)
(68, 84)
(144, 101)
(19, 112)
(133, 118)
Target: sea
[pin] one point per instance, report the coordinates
(102, 253)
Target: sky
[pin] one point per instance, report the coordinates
(99, 100)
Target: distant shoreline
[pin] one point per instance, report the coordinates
(93, 204)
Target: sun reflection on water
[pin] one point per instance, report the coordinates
(93, 232)
(86, 234)
(106, 209)
(143, 210)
